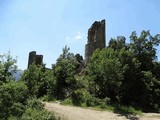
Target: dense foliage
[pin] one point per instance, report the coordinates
(64, 72)
(12, 99)
(122, 73)
(121, 76)
(128, 73)
(7, 67)
(16, 101)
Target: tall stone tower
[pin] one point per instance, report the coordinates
(38, 59)
(96, 39)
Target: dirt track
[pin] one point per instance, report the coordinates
(77, 113)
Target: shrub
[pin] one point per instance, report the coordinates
(96, 102)
(80, 97)
(47, 97)
(126, 110)
(13, 96)
(67, 101)
(35, 104)
(34, 114)
(35, 111)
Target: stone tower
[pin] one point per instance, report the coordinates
(38, 59)
(96, 38)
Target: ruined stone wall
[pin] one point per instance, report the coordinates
(33, 58)
(96, 38)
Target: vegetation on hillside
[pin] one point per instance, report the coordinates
(16, 101)
(121, 77)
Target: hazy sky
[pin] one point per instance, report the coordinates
(46, 26)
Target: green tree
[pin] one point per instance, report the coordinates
(144, 48)
(48, 85)
(14, 94)
(13, 99)
(31, 77)
(64, 72)
(106, 73)
(130, 88)
(79, 58)
(128, 73)
(141, 75)
(7, 67)
(118, 44)
(39, 80)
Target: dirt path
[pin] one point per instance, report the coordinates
(77, 113)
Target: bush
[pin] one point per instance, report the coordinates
(67, 101)
(35, 104)
(34, 114)
(126, 110)
(80, 97)
(96, 102)
(47, 97)
(13, 96)
(35, 111)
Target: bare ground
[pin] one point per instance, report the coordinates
(77, 113)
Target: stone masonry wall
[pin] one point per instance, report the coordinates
(96, 39)
(38, 59)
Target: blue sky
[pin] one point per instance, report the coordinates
(46, 26)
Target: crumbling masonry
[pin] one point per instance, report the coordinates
(96, 39)
(33, 58)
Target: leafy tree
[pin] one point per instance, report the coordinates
(48, 85)
(144, 48)
(79, 58)
(16, 104)
(31, 77)
(106, 72)
(144, 51)
(39, 80)
(156, 70)
(128, 73)
(130, 76)
(13, 99)
(118, 44)
(64, 71)
(139, 60)
(14, 94)
(7, 67)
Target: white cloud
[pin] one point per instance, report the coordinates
(74, 38)
(78, 36)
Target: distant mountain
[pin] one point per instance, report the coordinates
(17, 75)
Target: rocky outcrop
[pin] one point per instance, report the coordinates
(96, 38)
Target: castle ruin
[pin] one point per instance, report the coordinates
(96, 39)
(34, 58)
